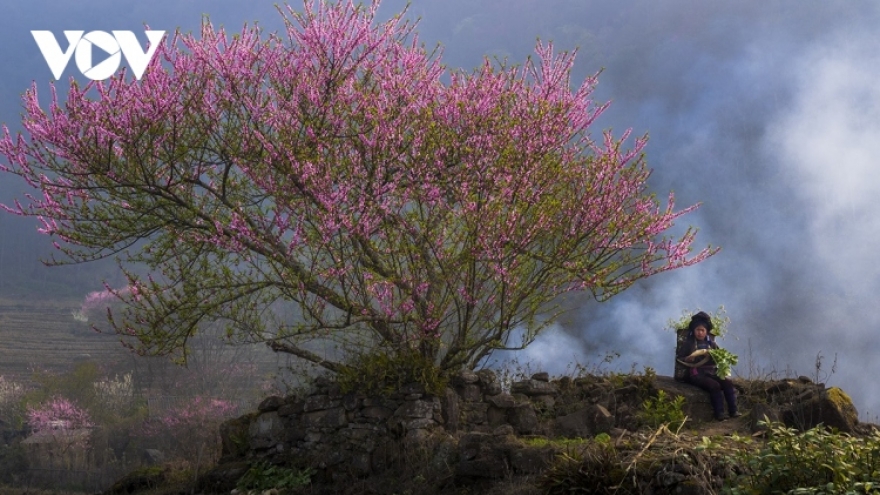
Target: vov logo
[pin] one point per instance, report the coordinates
(118, 44)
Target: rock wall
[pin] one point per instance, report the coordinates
(477, 428)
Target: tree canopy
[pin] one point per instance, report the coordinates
(335, 183)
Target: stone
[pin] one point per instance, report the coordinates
(804, 395)
(479, 458)
(295, 433)
(464, 377)
(266, 431)
(502, 401)
(574, 425)
(417, 435)
(438, 411)
(450, 410)
(234, 437)
(271, 403)
(832, 408)
(503, 430)
(489, 382)
(350, 401)
(496, 417)
(376, 412)
(667, 479)
(334, 391)
(360, 464)
(603, 420)
(474, 413)
(532, 460)
(328, 418)
(541, 377)
(415, 409)
(487, 376)
(319, 402)
(445, 455)
(545, 402)
(412, 388)
(523, 419)
(491, 389)
(323, 382)
(532, 388)
(290, 409)
(470, 392)
(419, 424)
(697, 406)
(779, 387)
(329, 457)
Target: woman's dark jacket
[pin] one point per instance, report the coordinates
(691, 345)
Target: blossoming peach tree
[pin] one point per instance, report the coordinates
(336, 183)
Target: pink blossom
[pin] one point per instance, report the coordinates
(339, 165)
(57, 414)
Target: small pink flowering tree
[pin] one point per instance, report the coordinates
(339, 169)
(57, 414)
(191, 429)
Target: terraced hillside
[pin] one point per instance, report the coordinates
(43, 334)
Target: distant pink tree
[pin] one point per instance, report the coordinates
(191, 428)
(57, 414)
(99, 300)
(198, 411)
(339, 169)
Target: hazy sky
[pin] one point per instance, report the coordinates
(767, 112)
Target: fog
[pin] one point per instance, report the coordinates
(766, 112)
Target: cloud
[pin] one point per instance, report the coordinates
(828, 142)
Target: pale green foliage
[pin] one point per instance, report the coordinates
(603, 438)
(720, 321)
(663, 410)
(815, 462)
(725, 360)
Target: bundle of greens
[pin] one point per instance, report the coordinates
(724, 360)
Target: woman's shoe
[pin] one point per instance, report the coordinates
(720, 417)
(736, 414)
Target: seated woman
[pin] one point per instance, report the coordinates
(703, 370)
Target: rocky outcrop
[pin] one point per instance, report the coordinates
(477, 430)
(500, 455)
(831, 407)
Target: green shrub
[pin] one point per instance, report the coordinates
(663, 410)
(595, 469)
(816, 462)
(265, 476)
(385, 373)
